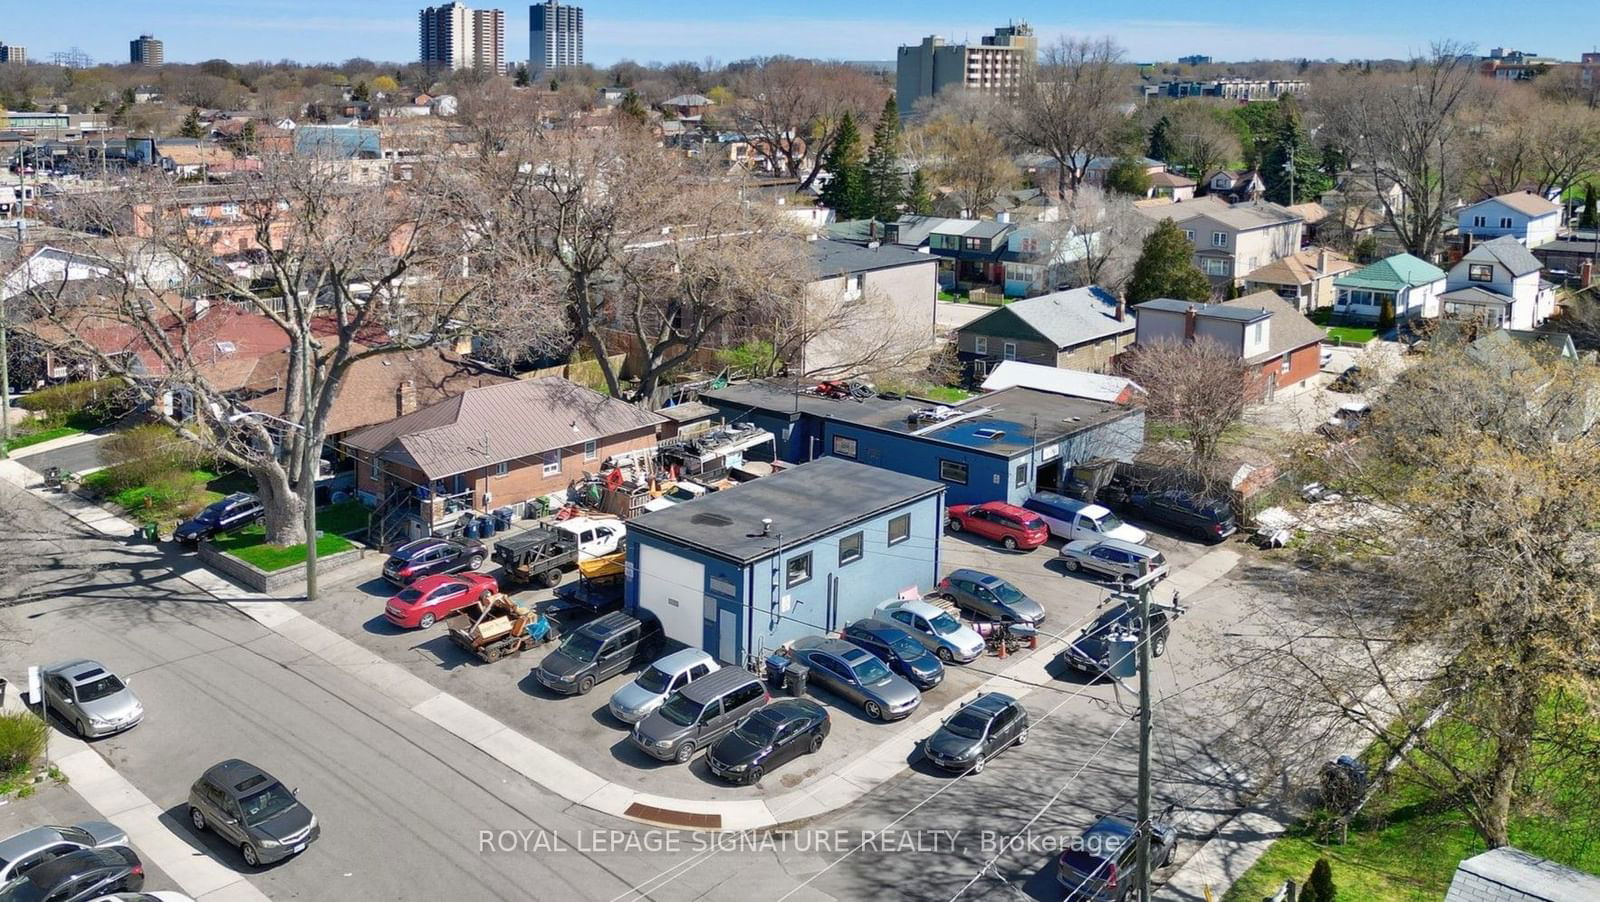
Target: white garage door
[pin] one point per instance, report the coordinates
(673, 589)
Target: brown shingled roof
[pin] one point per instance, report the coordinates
(1290, 330)
(370, 392)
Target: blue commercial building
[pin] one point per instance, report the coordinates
(1001, 446)
(802, 552)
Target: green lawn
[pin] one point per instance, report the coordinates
(948, 296)
(250, 545)
(162, 502)
(1357, 335)
(947, 394)
(343, 518)
(24, 439)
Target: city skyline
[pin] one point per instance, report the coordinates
(305, 31)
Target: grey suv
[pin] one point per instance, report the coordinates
(250, 809)
(696, 715)
(599, 650)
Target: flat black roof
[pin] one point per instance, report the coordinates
(804, 503)
(1001, 423)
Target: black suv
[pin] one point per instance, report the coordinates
(1101, 865)
(425, 557)
(232, 513)
(899, 649)
(599, 650)
(1209, 519)
(1090, 652)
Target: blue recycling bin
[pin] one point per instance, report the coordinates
(502, 519)
(472, 529)
(487, 526)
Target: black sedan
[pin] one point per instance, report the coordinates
(783, 730)
(982, 729)
(425, 557)
(894, 646)
(78, 876)
(1091, 651)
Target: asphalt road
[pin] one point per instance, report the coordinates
(405, 805)
(79, 458)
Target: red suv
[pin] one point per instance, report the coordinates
(1007, 524)
(435, 597)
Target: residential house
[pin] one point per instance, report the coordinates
(802, 552)
(1304, 279)
(873, 303)
(248, 136)
(1072, 383)
(1261, 328)
(1508, 874)
(1410, 287)
(1040, 258)
(492, 446)
(972, 249)
(1000, 446)
(1571, 259)
(191, 158)
(913, 230)
(1236, 185)
(1083, 329)
(1341, 225)
(1499, 284)
(1023, 205)
(338, 142)
(1529, 218)
(1171, 185)
(688, 107)
(1233, 240)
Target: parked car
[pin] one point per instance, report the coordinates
(231, 514)
(599, 650)
(699, 713)
(27, 850)
(1090, 652)
(681, 491)
(634, 702)
(1072, 519)
(1346, 421)
(596, 537)
(990, 597)
(1100, 865)
(1210, 520)
(937, 629)
(433, 598)
(90, 697)
(776, 734)
(426, 557)
(980, 730)
(253, 811)
(1351, 380)
(1007, 524)
(894, 645)
(78, 876)
(1113, 558)
(852, 673)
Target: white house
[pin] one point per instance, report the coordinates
(1407, 285)
(1529, 218)
(1498, 283)
(1039, 258)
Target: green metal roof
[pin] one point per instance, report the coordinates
(1392, 274)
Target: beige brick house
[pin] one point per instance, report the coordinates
(1231, 241)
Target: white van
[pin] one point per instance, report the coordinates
(1074, 520)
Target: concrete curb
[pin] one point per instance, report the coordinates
(65, 441)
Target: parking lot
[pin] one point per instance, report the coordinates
(582, 729)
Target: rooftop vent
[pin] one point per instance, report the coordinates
(990, 433)
(711, 520)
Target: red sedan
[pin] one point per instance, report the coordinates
(1007, 524)
(434, 597)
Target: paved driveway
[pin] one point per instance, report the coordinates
(79, 458)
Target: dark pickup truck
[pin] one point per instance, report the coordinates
(540, 555)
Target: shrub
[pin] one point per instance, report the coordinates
(61, 401)
(146, 455)
(22, 741)
(1321, 881)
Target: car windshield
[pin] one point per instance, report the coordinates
(106, 685)
(682, 711)
(906, 647)
(871, 670)
(654, 679)
(209, 515)
(682, 494)
(1006, 592)
(944, 624)
(409, 595)
(1108, 522)
(967, 724)
(266, 804)
(758, 730)
(581, 647)
(1035, 523)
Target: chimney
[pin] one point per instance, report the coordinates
(1188, 323)
(405, 398)
(1122, 308)
(1586, 274)
(1322, 261)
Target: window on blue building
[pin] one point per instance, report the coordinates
(1022, 474)
(844, 447)
(899, 529)
(850, 549)
(798, 570)
(953, 471)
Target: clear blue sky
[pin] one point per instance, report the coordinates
(665, 30)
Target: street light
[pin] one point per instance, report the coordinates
(308, 479)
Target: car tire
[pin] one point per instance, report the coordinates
(248, 852)
(426, 621)
(1158, 646)
(1022, 738)
(955, 525)
(684, 753)
(475, 562)
(1172, 852)
(977, 765)
(873, 709)
(585, 684)
(946, 655)
(755, 775)
(1070, 563)
(551, 578)
(198, 819)
(1009, 543)
(816, 744)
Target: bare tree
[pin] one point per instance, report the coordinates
(1070, 105)
(1410, 129)
(961, 153)
(1527, 142)
(791, 110)
(831, 335)
(1202, 143)
(1195, 391)
(1098, 237)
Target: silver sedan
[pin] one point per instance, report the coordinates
(90, 697)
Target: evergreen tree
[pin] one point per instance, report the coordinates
(1160, 144)
(632, 109)
(1292, 167)
(1128, 176)
(191, 127)
(885, 184)
(1308, 893)
(1166, 269)
(1590, 218)
(361, 92)
(919, 199)
(846, 191)
(1321, 881)
(1233, 292)
(521, 79)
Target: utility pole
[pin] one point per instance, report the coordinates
(1142, 830)
(308, 470)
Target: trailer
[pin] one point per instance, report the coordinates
(540, 554)
(498, 627)
(599, 586)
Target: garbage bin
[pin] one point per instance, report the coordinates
(2, 692)
(794, 676)
(503, 518)
(471, 529)
(776, 665)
